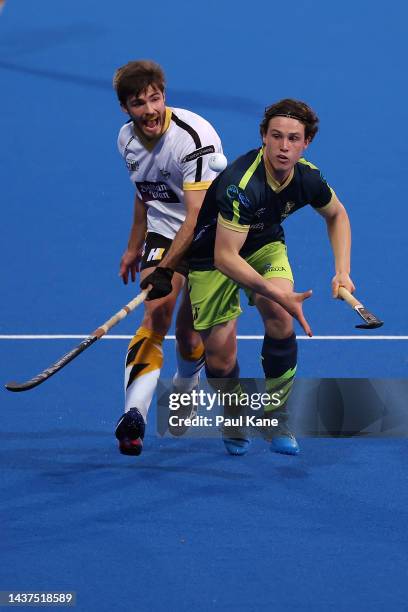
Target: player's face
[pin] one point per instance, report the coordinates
(148, 111)
(284, 144)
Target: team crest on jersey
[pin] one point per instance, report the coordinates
(132, 164)
(289, 206)
(232, 192)
(235, 193)
(165, 173)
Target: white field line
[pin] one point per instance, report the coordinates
(244, 337)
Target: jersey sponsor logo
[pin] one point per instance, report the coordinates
(196, 312)
(271, 268)
(244, 200)
(155, 254)
(198, 153)
(289, 206)
(259, 212)
(202, 231)
(257, 226)
(150, 190)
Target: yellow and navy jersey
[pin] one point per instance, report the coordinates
(246, 198)
(164, 169)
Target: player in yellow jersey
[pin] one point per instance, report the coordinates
(166, 152)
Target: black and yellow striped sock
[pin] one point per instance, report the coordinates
(144, 361)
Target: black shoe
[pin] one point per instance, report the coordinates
(130, 431)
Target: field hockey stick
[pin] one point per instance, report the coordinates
(93, 337)
(370, 320)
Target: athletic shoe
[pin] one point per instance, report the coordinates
(235, 436)
(287, 444)
(236, 446)
(130, 431)
(178, 426)
(281, 439)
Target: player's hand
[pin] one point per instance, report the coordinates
(130, 263)
(341, 279)
(293, 303)
(160, 280)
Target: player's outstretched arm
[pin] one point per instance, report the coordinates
(130, 261)
(228, 243)
(339, 231)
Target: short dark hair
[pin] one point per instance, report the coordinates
(296, 110)
(135, 77)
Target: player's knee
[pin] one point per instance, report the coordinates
(158, 318)
(187, 338)
(279, 326)
(220, 364)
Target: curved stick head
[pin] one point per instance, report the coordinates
(372, 325)
(370, 320)
(12, 386)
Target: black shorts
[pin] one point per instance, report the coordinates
(155, 248)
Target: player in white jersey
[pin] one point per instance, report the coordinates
(166, 152)
(176, 164)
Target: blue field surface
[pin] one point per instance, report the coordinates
(184, 525)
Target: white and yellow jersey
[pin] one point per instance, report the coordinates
(178, 161)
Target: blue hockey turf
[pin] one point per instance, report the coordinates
(184, 525)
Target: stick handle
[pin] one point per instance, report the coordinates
(121, 314)
(350, 299)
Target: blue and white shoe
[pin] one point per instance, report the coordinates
(130, 431)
